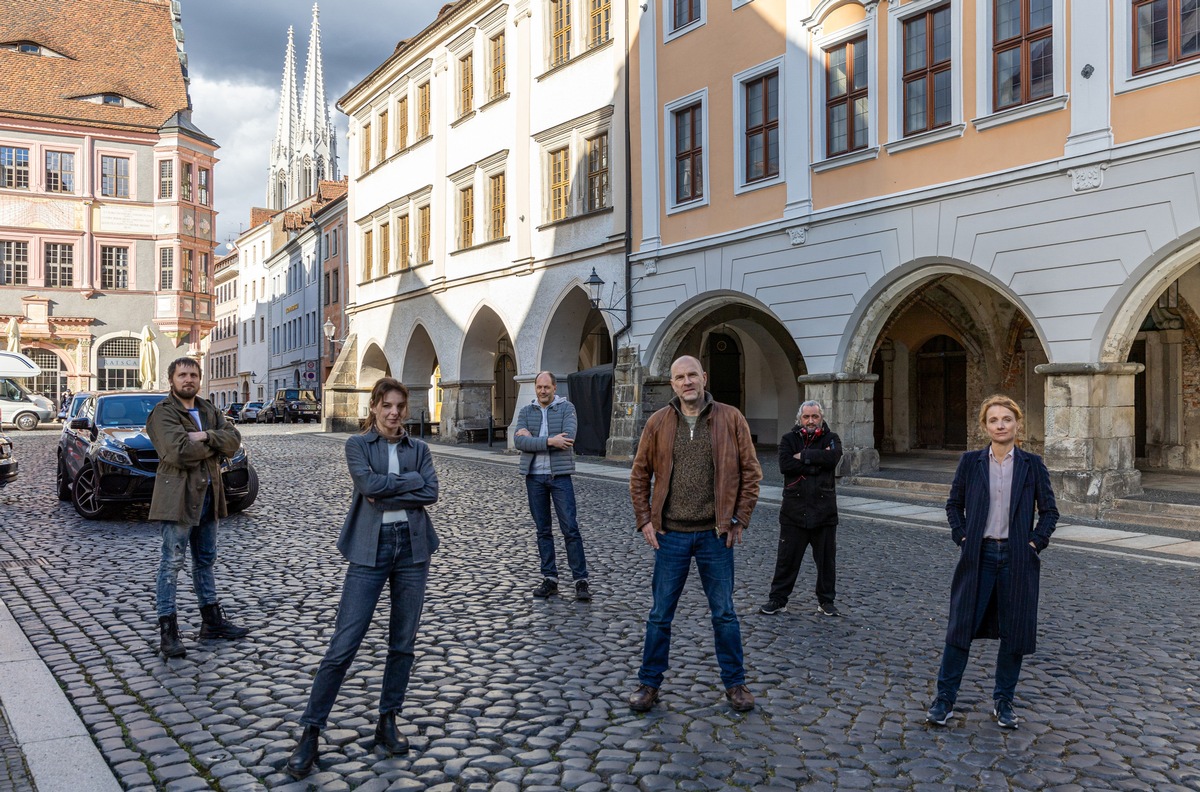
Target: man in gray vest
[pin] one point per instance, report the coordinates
(545, 437)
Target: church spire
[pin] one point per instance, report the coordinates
(279, 194)
(316, 148)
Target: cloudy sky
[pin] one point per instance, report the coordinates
(235, 57)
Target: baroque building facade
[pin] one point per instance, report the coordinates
(487, 182)
(901, 207)
(106, 190)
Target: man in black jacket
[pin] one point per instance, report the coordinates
(808, 457)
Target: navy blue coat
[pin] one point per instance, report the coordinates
(967, 511)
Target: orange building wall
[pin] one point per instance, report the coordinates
(1156, 110)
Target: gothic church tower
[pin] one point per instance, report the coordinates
(305, 148)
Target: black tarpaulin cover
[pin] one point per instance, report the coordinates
(590, 391)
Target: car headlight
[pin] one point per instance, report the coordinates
(113, 455)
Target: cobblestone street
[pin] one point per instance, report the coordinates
(509, 693)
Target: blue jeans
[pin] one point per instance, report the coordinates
(994, 577)
(360, 595)
(559, 489)
(672, 561)
(175, 540)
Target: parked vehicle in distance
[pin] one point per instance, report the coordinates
(233, 412)
(293, 404)
(73, 406)
(18, 406)
(250, 412)
(105, 457)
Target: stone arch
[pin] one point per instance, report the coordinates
(564, 337)
(373, 366)
(929, 298)
(1123, 316)
(420, 362)
(485, 393)
(770, 365)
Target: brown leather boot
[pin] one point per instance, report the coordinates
(740, 698)
(642, 699)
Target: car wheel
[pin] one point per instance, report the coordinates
(26, 421)
(63, 481)
(85, 494)
(251, 493)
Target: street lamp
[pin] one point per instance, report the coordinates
(594, 284)
(329, 330)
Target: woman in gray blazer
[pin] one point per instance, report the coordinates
(388, 539)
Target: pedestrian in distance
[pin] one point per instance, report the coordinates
(808, 516)
(387, 538)
(545, 437)
(190, 436)
(994, 593)
(694, 485)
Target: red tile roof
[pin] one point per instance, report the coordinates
(124, 47)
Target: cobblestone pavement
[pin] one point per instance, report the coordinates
(513, 694)
(14, 776)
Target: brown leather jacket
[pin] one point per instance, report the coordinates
(736, 471)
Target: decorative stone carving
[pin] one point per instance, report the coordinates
(797, 235)
(1089, 177)
(650, 266)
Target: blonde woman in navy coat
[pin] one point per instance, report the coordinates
(995, 589)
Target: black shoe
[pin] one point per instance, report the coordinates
(642, 699)
(215, 625)
(828, 609)
(301, 762)
(772, 607)
(1002, 711)
(939, 713)
(548, 588)
(582, 592)
(168, 637)
(386, 736)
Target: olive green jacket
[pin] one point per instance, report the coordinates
(186, 467)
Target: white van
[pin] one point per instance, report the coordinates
(17, 405)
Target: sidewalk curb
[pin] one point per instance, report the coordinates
(59, 751)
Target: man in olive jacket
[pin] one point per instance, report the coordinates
(190, 436)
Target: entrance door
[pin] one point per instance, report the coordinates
(725, 369)
(942, 394)
(504, 394)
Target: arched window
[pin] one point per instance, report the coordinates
(53, 380)
(117, 362)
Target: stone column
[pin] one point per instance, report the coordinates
(848, 401)
(466, 405)
(627, 421)
(1164, 399)
(418, 402)
(1089, 434)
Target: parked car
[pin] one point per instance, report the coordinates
(250, 412)
(73, 406)
(234, 412)
(105, 457)
(292, 405)
(17, 405)
(8, 462)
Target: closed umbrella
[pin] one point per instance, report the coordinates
(147, 359)
(14, 335)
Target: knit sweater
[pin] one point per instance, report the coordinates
(691, 505)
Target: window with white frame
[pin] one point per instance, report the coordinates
(114, 176)
(14, 167)
(114, 267)
(682, 16)
(166, 269)
(496, 206)
(560, 32)
(466, 216)
(600, 22)
(497, 66)
(15, 256)
(403, 248)
(166, 179)
(560, 183)
(758, 97)
(59, 261)
(927, 61)
(597, 172)
(1166, 32)
(368, 258)
(424, 238)
(687, 163)
(402, 123)
(60, 172)
(466, 84)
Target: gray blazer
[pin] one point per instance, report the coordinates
(414, 488)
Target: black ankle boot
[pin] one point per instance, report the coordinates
(168, 637)
(217, 626)
(301, 762)
(386, 736)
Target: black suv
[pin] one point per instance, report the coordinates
(105, 457)
(291, 405)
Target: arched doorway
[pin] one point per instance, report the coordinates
(421, 369)
(942, 394)
(117, 364)
(485, 390)
(52, 382)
